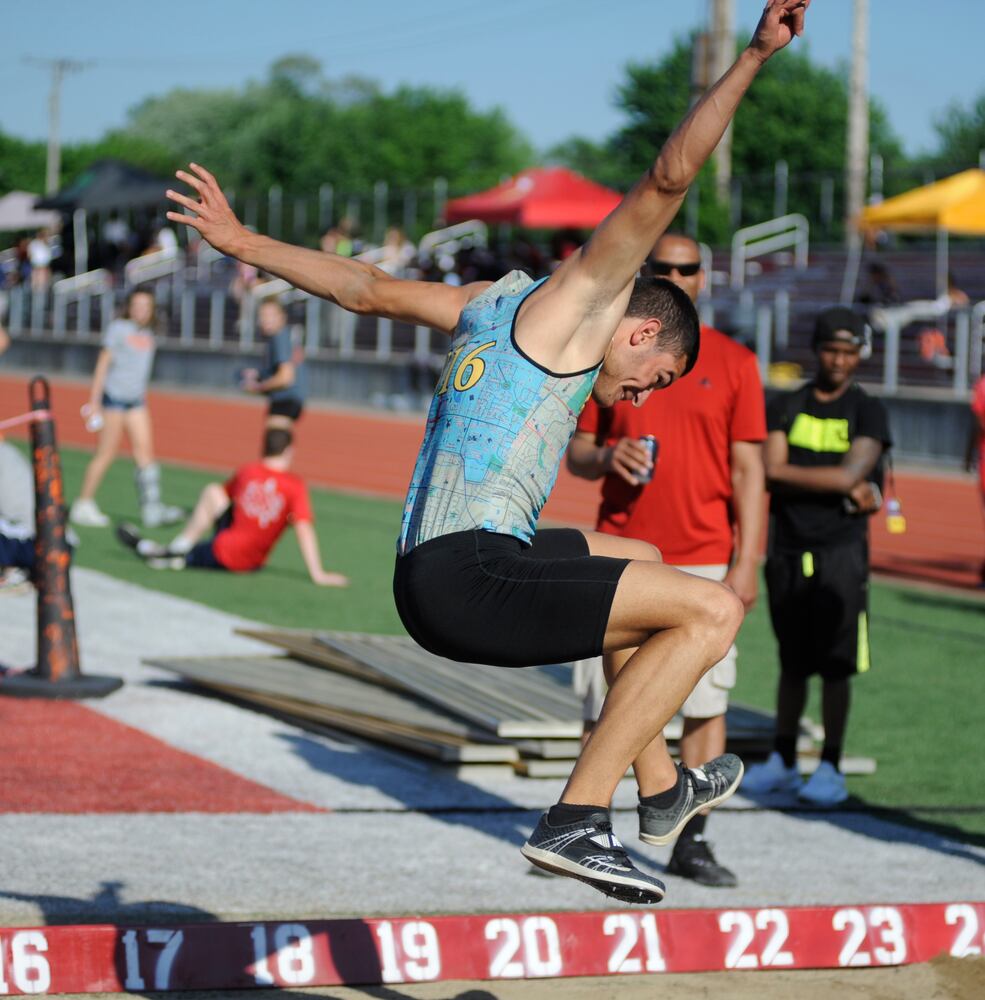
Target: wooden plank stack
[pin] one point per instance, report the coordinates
(388, 689)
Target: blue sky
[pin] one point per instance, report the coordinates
(552, 65)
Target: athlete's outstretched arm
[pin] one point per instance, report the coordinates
(603, 269)
(353, 284)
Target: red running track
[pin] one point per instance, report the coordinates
(368, 453)
(60, 757)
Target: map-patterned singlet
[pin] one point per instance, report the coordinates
(496, 431)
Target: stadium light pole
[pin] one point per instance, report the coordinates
(857, 153)
(58, 67)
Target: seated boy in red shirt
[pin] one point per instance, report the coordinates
(248, 514)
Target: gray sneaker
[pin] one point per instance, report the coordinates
(588, 850)
(159, 515)
(704, 787)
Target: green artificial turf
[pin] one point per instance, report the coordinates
(357, 537)
(917, 712)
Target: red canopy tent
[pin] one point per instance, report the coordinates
(539, 198)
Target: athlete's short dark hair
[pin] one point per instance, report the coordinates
(662, 299)
(276, 440)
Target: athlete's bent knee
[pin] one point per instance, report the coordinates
(640, 551)
(215, 494)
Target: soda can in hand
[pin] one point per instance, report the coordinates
(652, 446)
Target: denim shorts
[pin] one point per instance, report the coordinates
(109, 403)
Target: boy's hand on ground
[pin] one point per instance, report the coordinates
(326, 579)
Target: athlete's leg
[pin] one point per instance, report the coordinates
(679, 626)
(702, 740)
(212, 503)
(791, 698)
(137, 422)
(106, 448)
(836, 696)
(278, 421)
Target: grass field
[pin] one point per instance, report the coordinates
(918, 712)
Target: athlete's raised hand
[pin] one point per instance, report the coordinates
(213, 218)
(782, 21)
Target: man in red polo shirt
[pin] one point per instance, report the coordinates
(247, 515)
(703, 507)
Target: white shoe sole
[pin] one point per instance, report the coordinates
(558, 865)
(666, 838)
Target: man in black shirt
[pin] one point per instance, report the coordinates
(824, 452)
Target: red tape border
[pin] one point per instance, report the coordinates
(107, 959)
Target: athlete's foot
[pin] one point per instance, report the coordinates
(158, 515)
(129, 535)
(772, 776)
(588, 850)
(87, 514)
(693, 858)
(700, 788)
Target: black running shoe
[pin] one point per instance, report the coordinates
(129, 535)
(146, 548)
(693, 859)
(704, 787)
(590, 851)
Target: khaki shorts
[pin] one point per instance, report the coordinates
(709, 698)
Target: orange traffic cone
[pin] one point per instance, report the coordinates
(57, 674)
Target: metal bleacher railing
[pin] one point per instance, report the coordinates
(771, 308)
(766, 238)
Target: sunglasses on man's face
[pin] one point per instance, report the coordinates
(663, 268)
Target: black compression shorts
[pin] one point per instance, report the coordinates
(481, 597)
(819, 608)
(202, 556)
(290, 408)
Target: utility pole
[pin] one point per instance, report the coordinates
(722, 38)
(858, 118)
(857, 154)
(58, 67)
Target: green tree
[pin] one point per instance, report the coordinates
(151, 156)
(796, 111)
(22, 165)
(961, 135)
(299, 130)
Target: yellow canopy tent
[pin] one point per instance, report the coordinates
(953, 205)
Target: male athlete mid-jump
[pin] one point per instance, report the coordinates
(475, 580)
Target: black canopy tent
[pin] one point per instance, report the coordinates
(104, 186)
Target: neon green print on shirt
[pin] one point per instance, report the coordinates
(819, 434)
